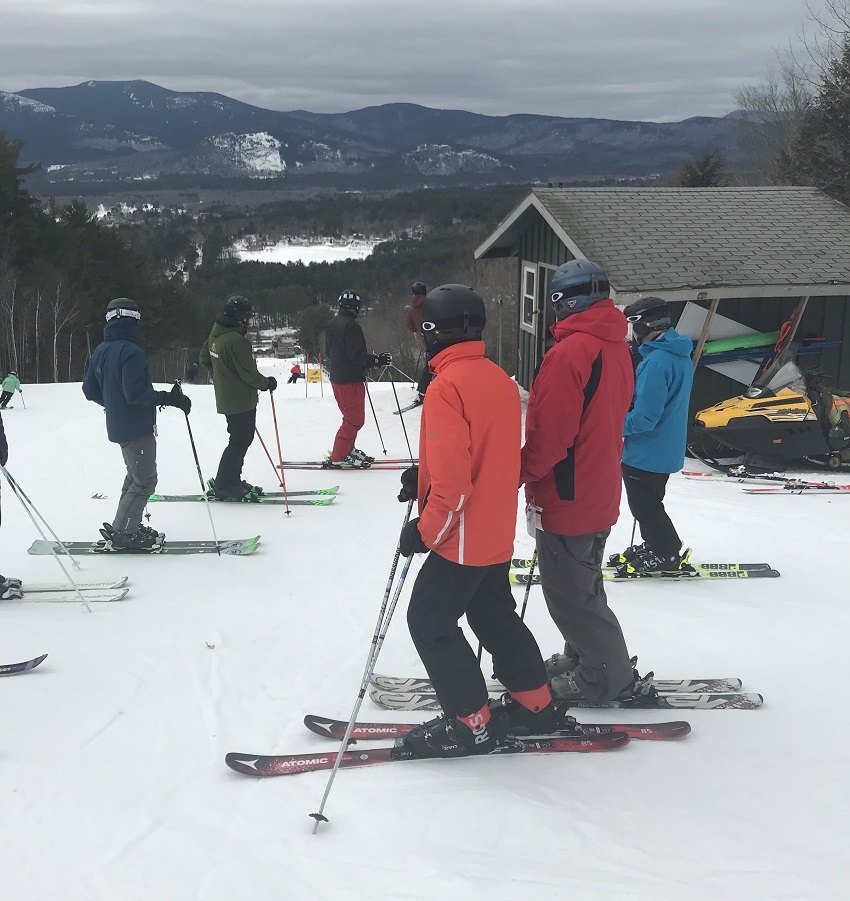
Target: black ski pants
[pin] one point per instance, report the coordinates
(5, 397)
(240, 427)
(571, 578)
(443, 592)
(645, 493)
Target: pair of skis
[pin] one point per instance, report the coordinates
(322, 497)
(239, 547)
(379, 464)
(577, 737)
(59, 592)
(794, 486)
(405, 693)
(714, 571)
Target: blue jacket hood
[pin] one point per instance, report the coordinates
(671, 341)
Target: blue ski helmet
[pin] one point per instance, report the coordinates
(576, 286)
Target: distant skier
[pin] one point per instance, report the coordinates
(118, 380)
(413, 320)
(349, 360)
(466, 484)
(9, 587)
(294, 374)
(191, 374)
(571, 471)
(656, 432)
(227, 354)
(11, 384)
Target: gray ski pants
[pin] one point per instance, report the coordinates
(571, 577)
(140, 459)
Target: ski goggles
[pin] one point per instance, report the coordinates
(121, 313)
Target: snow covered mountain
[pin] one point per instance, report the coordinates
(121, 130)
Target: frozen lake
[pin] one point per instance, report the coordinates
(308, 253)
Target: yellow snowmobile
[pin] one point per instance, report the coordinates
(804, 421)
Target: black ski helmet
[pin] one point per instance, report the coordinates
(122, 308)
(418, 288)
(452, 314)
(13, 372)
(576, 286)
(649, 314)
(239, 308)
(350, 300)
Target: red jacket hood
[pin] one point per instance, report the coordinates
(603, 320)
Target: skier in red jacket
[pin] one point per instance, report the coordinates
(469, 456)
(571, 471)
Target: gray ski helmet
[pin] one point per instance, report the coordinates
(122, 308)
(452, 314)
(350, 300)
(576, 286)
(418, 288)
(649, 314)
(239, 308)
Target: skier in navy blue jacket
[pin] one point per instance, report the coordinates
(655, 433)
(118, 380)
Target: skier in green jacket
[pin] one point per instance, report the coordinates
(227, 354)
(11, 384)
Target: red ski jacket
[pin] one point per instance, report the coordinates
(574, 423)
(469, 447)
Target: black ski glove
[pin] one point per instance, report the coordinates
(411, 541)
(409, 484)
(176, 398)
(385, 359)
(271, 383)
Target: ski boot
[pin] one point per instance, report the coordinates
(231, 493)
(142, 541)
(447, 736)
(516, 719)
(632, 552)
(358, 458)
(558, 664)
(248, 488)
(10, 588)
(651, 564)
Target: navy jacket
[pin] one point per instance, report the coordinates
(656, 429)
(118, 380)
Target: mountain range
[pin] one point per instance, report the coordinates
(114, 131)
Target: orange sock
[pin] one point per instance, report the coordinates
(477, 720)
(534, 700)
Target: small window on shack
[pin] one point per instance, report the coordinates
(529, 298)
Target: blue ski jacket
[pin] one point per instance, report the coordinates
(656, 428)
(118, 379)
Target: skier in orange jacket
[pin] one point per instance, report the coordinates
(466, 485)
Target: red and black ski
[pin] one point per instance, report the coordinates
(290, 764)
(335, 729)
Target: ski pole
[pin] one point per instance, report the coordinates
(203, 486)
(21, 392)
(401, 417)
(20, 494)
(279, 454)
(384, 617)
(634, 528)
(375, 416)
(418, 361)
(528, 584)
(274, 465)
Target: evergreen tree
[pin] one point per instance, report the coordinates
(706, 171)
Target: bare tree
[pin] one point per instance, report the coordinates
(64, 309)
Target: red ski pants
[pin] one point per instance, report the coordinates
(351, 400)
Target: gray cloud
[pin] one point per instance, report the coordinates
(627, 59)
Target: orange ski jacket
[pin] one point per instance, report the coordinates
(469, 458)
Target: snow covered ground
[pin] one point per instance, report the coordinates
(112, 780)
(308, 253)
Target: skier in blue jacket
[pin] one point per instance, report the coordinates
(655, 433)
(118, 380)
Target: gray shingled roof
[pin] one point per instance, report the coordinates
(673, 239)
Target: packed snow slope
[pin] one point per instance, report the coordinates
(112, 777)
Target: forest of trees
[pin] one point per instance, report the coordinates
(60, 266)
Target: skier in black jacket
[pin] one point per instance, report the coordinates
(345, 345)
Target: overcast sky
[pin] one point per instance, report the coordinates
(661, 60)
